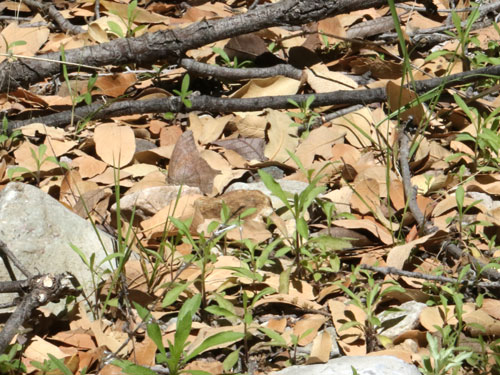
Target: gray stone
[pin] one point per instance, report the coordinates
(334, 349)
(39, 231)
(369, 365)
(149, 201)
(399, 322)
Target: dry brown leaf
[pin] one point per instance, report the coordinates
(289, 300)
(399, 254)
(492, 307)
(277, 325)
(321, 79)
(268, 87)
(249, 148)
(321, 347)
(358, 126)
(252, 126)
(398, 96)
(366, 196)
(115, 85)
(352, 340)
(210, 366)
(319, 143)
(207, 129)
(377, 230)
(114, 144)
(184, 210)
(88, 166)
(311, 323)
(282, 137)
(34, 38)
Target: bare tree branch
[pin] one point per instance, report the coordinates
(172, 44)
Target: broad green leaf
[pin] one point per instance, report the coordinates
(274, 187)
(220, 311)
(231, 360)
(217, 339)
(331, 243)
(173, 294)
(302, 227)
(276, 338)
(116, 29)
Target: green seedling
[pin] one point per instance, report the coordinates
(177, 357)
(225, 309)
(185, 92)
(486, 142)
(132, 14)
(367, 298)
(306, 117)
(76, 97)
(9, 52)
(40, 159)
(227, 61)
(9, 363)
(7, 139)
(443, 360)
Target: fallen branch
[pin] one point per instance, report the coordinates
(427, 227)
(55, 15)
(35, 292)
(423, 276)
(99, 110)
(172, 44)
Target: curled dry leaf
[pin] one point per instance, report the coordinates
(187, 167)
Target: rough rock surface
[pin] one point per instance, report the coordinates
(149, 201)
(39, 231)
(399, 322)
(369, 365)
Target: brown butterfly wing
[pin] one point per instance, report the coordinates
(187, 167)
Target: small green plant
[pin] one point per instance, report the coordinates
(462, 35)
(465, 229)
(9, 364)
(443, 360)
(55, 365)
(76, 97)
(132, 14)
(298, 206)
(8, 139)
(367, 297)
(225, 308)
(9, 52)
(486, 142)
(327, 45)
(185, 92)
(40, 159)
(227, 61)
(278, 340)
(203, 247)
(176, 357)
(306, 117)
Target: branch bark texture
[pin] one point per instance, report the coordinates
(172, 44)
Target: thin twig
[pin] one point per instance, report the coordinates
(55, 15)
(423, 276)
(239, 73)
(4, 249)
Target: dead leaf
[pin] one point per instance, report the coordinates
(115, 144)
